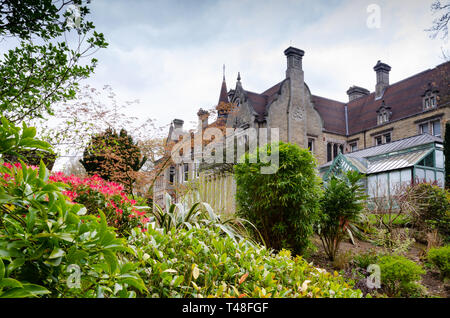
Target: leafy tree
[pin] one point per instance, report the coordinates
(114, 157)
(342, 204)
(447, 154)
(14, 140)
(283, 206)
(50, 40)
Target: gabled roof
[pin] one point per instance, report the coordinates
(260, 102)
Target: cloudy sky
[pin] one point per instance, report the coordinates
(169, 53)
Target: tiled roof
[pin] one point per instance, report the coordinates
(223, 93)
(404, 98)
(332, 113)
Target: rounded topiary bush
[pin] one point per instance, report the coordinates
(399, 275)
(282, 205)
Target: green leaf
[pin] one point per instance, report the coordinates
(18, 292)
(75, 256)
(103, 225)
(111, 260)
(36, 289)
(15, 264)
(132, 281)
(31, 219)
(10, 283)
(28, 132)
(43, 171)
(56, 253)
(2, 269)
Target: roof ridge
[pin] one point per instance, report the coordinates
(433, 138)
(333, 100)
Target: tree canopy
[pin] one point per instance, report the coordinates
(50, 40)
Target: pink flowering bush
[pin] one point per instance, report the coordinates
(95, 193)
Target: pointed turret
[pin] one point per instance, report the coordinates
(223, 91)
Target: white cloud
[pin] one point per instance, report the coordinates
(174, 68)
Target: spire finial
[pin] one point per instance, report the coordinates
(239, 76)
(224, 72)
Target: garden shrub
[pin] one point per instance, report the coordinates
(202, 262)
(432, 208)
(440, 257)
(399, 275)
(363, 260)
(399, 241)
(342, 204)
(114, 156)
(199, 214)
(284, 205)
(95, 193)
(43, 236)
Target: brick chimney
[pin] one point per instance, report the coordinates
(382, 70)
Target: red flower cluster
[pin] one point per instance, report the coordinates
(94, 193)
(18, 165)
(113, 192)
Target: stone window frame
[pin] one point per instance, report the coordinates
(430, 99)
(313, 144)
(196, 169)
(353, 146)
(383, 114)
(333, 149)
(185, 172)
(172, 174)
(430, 127)
(383, 137)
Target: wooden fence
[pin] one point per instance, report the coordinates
(216, 189)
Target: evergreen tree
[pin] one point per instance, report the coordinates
(114, 157)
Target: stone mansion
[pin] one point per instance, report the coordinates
(419, 104)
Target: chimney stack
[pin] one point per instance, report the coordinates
(178, 123)
(294, 61)
(382, 70)
(203, 116)
(355, 92)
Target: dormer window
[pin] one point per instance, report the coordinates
(384, 114)
(430, 97)
(429, 100)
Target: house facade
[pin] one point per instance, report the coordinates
(389, 112)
